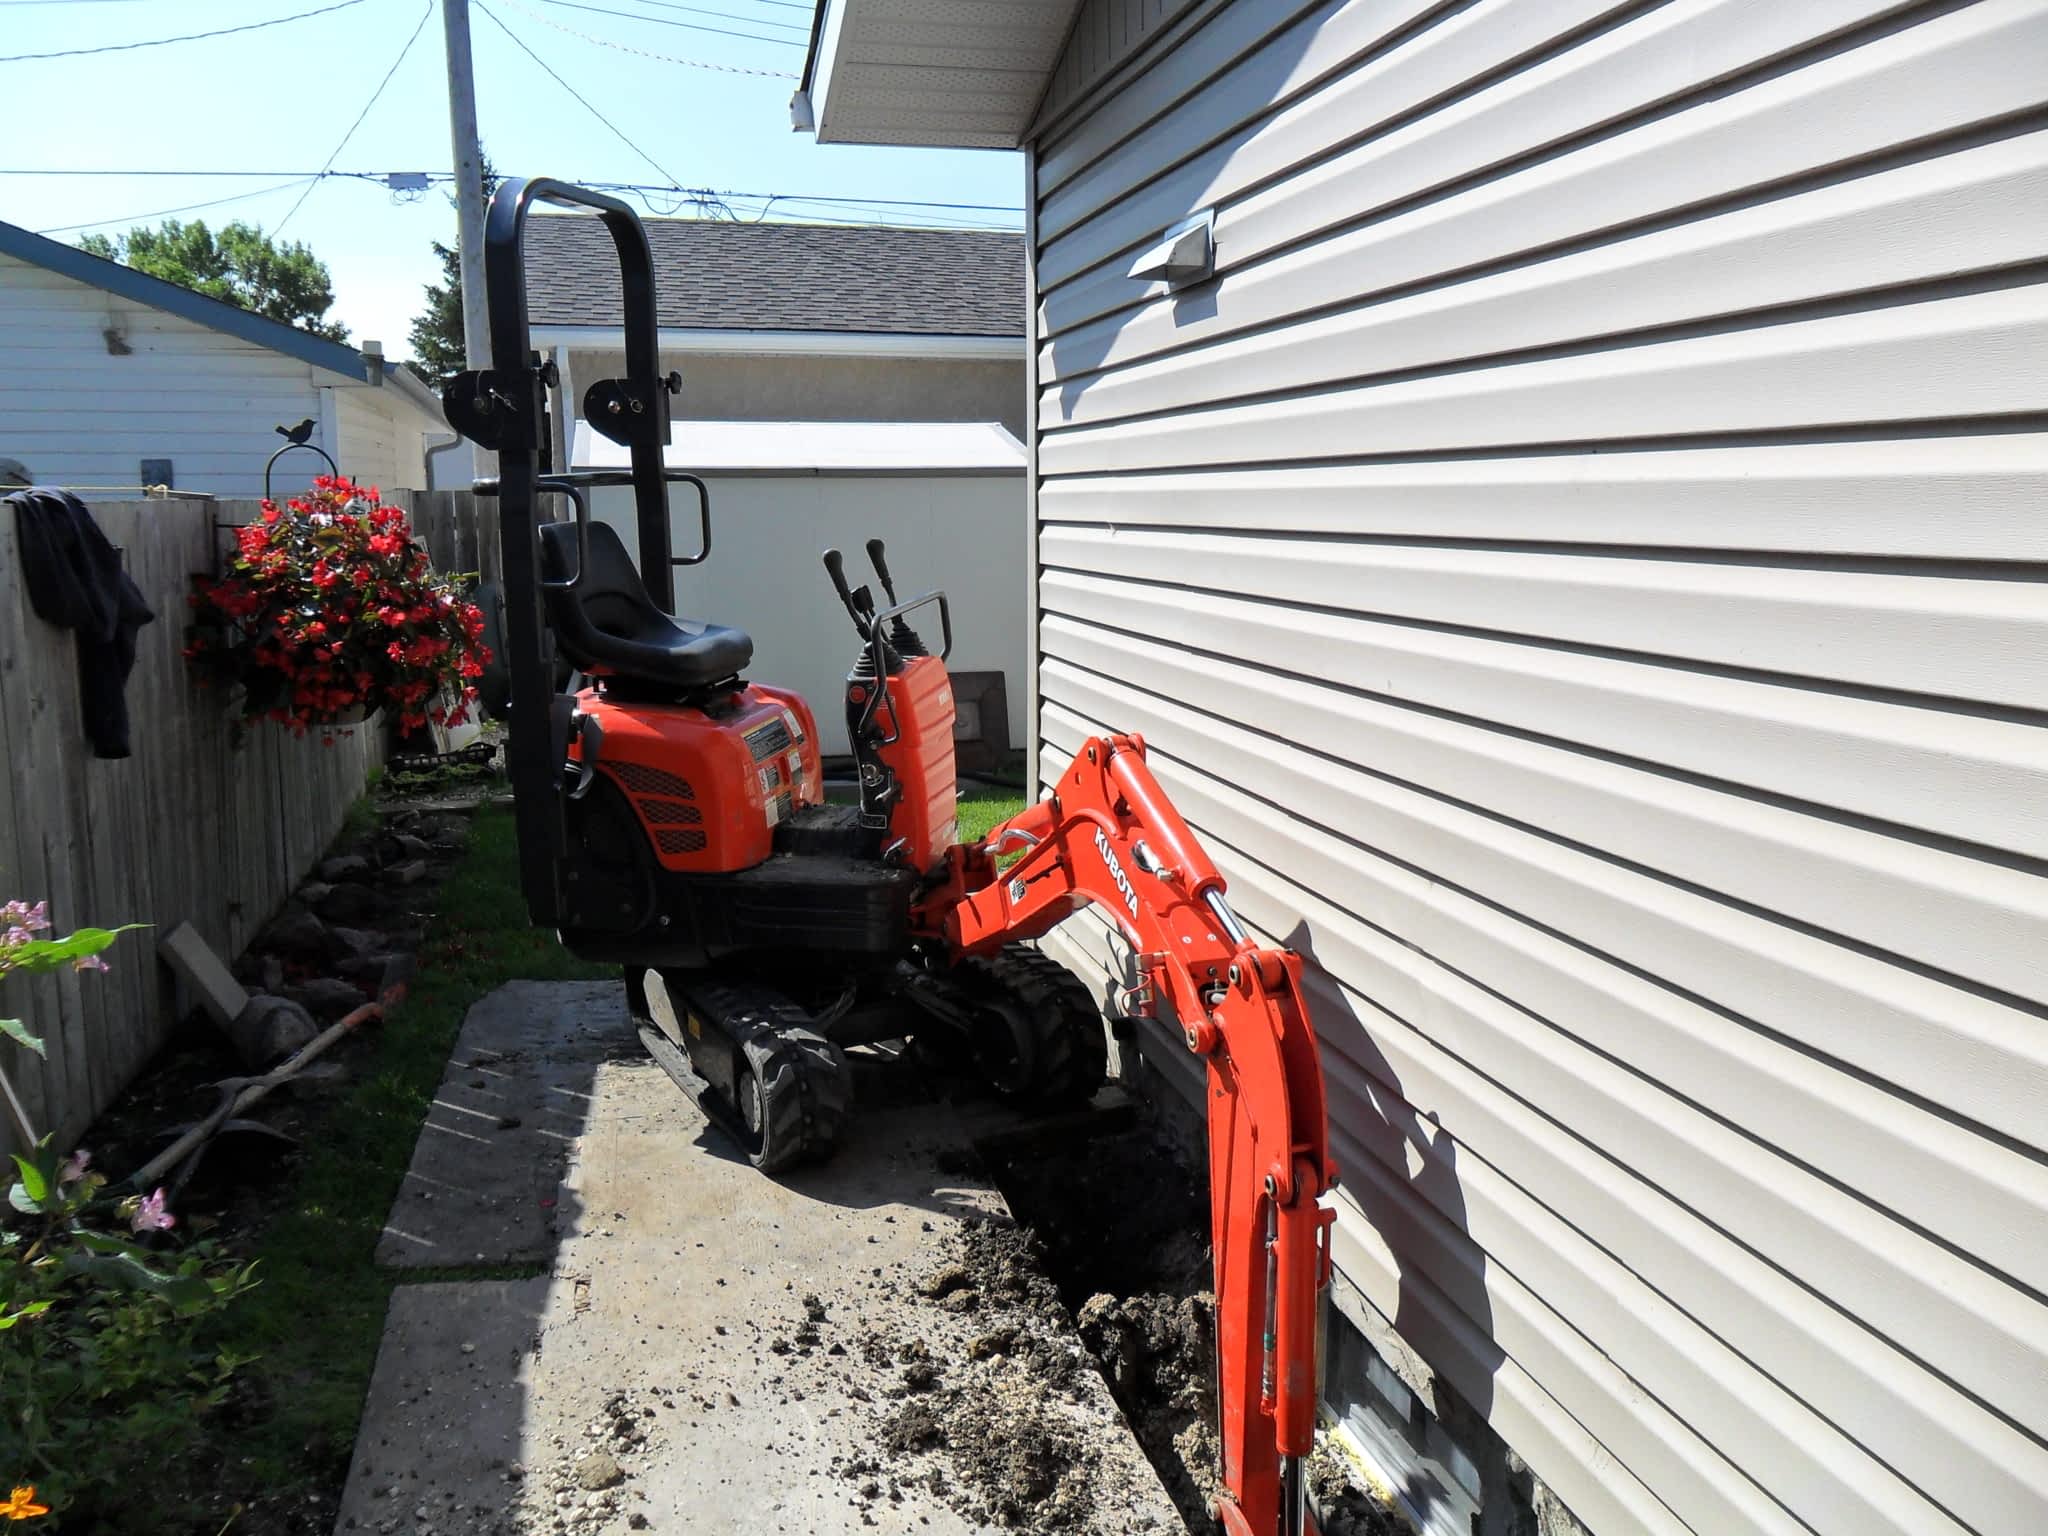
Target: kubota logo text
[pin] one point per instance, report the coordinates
(1116, 872)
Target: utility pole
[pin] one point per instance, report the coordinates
(469, 182)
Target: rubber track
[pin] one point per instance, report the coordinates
(806, 1088)
(1073, 1053)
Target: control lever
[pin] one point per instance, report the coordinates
(902, 637)
(835, 567)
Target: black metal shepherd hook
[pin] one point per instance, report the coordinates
(296, 437)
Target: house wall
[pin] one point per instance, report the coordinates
(727, 387)
(379, 437)
(94, 384)
(1579, 567)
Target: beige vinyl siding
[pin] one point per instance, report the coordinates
(1581, 568)
(378, 438)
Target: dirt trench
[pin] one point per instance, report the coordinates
(1118, 1222)
(1112, 1233)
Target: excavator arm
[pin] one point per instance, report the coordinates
(1108, 836)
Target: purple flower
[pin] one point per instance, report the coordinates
(150, 1215)
(89, 963)
(20, 922)
(74, 1167)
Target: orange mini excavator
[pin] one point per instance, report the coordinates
(672, 819)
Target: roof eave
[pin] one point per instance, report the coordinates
(678, 339)
(853, 91)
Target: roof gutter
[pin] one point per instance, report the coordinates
(803, 118)
(588, 338)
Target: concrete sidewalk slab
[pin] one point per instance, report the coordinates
(483, 1185)
(711, 1351)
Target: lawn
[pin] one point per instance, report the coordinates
(983, 807)
(316, 1318)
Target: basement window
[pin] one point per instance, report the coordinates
(1389, 1429)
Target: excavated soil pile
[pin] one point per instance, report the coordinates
(986, 1407)
(1342, 1507)
(1121, 1226)
(1122, 1222)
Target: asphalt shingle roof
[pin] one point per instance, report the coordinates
(785, 277)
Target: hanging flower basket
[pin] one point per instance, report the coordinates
(327, 612)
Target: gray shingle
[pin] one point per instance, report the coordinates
(785, 277)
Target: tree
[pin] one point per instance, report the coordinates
(437, 349)
(241, 266)
(438, 353)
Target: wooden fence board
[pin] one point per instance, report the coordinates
(190, 827)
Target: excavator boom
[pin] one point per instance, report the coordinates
(1108, 836)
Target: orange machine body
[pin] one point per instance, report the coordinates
(915, 720)
(710, 787)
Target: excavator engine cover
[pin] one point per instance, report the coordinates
(708, 782)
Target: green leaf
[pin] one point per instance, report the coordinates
(35, 1183)
(17, 1031)
(48, 954)
(100, 1242)
(32, 1309)
(122, 1270)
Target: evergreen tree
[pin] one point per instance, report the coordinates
(437, 350)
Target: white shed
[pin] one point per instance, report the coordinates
(1573, 539)
(115, 378)
(946, 497)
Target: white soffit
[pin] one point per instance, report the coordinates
(965, 73)
(814, 447)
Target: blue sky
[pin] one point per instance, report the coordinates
(281, 98)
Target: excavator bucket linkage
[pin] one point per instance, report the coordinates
(1108, 836)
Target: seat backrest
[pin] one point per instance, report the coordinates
(609, 598)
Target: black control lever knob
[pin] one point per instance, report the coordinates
(881, 566)
(835, 567)
(901, 636)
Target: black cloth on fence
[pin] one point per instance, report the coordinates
(75, 581)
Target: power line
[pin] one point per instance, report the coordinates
(619, 133)
(698, 10)
(136, 218)
(438, 176)
(418, 27)
(103, 171)
(779, 5)
(687, 26)
(646, 53)
(189, 37)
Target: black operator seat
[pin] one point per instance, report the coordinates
(608, 624)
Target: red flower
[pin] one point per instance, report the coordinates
(329, 604)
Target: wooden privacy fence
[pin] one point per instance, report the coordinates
(190, 828)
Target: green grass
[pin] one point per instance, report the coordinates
(318, 1314)
(983, 807)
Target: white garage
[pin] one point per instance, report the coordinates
(946, 497)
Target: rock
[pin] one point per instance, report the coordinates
(599, 1470)
(269, 1029)
(313, 892)
(397, 847)
(327, 997)
(347, 866)
(349, 903)
(300, 936)
(411, 872)
(355, 944)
